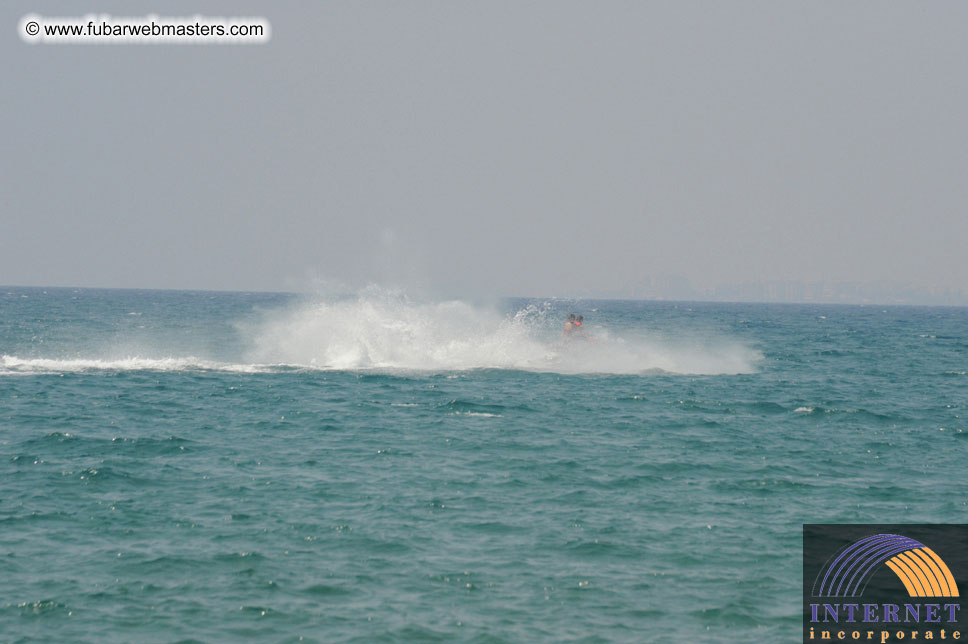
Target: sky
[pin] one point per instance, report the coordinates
(492, 148)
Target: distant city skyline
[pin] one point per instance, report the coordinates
(792, 291)
(679, 289)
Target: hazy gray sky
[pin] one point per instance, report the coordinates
(535, 148)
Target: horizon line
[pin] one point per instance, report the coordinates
(662, 300)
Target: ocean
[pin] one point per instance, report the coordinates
(371, 467)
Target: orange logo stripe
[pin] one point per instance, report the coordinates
(923, 573)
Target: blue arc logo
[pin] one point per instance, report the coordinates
(919, 568)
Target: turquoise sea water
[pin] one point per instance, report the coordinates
(232, 467)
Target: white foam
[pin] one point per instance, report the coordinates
(383, 330)
(386, 331)
(14, 365)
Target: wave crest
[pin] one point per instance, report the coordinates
(388, 331)
(382, 330)
(13, 365)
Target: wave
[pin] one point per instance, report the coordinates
(385, 330)
(11, 365)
